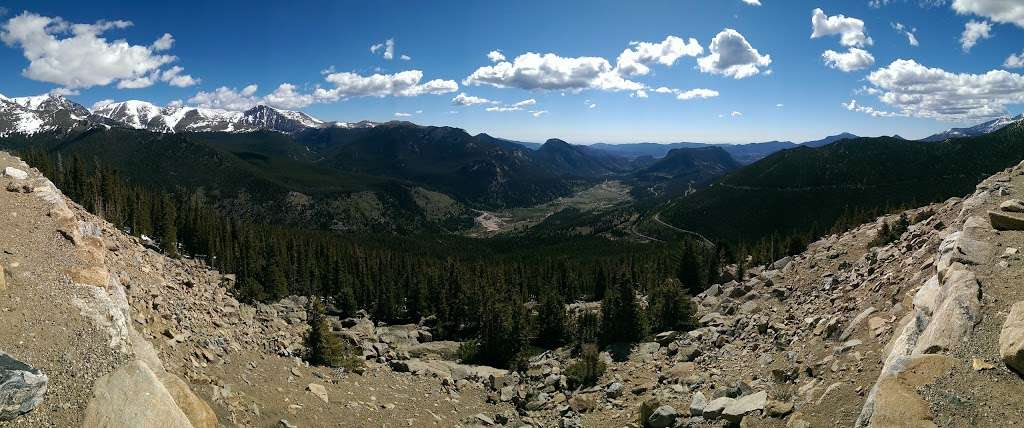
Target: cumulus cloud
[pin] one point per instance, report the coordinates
(513, 107)
(551, 72)
(907, 31)
(174, 77)
(753, 2)
(462, 99)
(226, 98)
(405, 57)
(77, 56)
(853, 106)
(635, 61)
(1014, 60)
(401, 84)
(919, 91)
(697, 93)
(1002, 11)
(286, 97)
(974, 31)
(852, 60)
(735, 114)
(731, 55)
(851, 30)
(387, 48)
(639, 94)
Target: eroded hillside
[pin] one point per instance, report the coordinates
(914, 332)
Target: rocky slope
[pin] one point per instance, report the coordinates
(923, 331)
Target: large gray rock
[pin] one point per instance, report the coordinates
(1011, 338)
(663, 417)
(133, 396)
(1003, 221)
(22, 387)
(714, 409)
(697, 404)
(15, 173)
(1012, 206)
(745, 405)
(955, 318)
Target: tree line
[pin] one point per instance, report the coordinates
(507, 296)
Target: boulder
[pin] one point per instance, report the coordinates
(1012, 206)
(22, 387)
(895, 401)
(714, 409)
(319, 391)
(1011, 338)
(614, 390)
(747, 404)
(1003, 221)
(697, 404)
(15, 173)
(852, 328)
(132, 395)
(662, 417)
(955, 318)
(196, 410)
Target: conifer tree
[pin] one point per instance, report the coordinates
(621, 320)
(323, 348)
(551, 328)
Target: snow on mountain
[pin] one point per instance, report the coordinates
(30, 115)
(980, 129)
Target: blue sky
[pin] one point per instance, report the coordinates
(236, 44)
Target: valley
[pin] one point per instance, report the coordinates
(528, 214)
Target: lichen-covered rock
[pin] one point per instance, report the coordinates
(22, 387)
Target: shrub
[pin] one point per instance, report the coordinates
(587, 369)
(323, 348)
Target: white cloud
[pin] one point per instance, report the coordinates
(405, 57)
(538, 113)
(635, 60)
(753, 2)
(1014, 60)
(387, 48)
(525, 103)
(731, 55)
(76, 56)
(780, 105)
(639, 94)
(1002, 11)
(853, 106)
(65, 92)
(664, 90)
(735, 114)
(852, 60)
(163, 43)
(285, 97)
(851, 30)
(226, 98)
(468, 100)
(401, 84)
(102, 103)
(502, 109)
(174, 77)
(974, 31)
(400, 114)
(551, 72)
(697, 93)
(907, 31)
(496, 56)
(919, 91)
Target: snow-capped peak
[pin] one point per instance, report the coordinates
(136, 114)
(979, 129)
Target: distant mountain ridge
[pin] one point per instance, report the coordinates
(976, 130)
(43, 113)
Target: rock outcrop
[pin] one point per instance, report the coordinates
(22, 387)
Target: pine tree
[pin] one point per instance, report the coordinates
(621, 320)
(323, 348)
(689, 269)
(167, 229)
(551, 328)
(670, 308)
